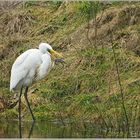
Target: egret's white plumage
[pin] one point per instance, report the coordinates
(32, 65)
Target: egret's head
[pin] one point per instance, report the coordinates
(44, 48)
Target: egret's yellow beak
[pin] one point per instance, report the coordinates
(55, 53)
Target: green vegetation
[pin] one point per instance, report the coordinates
(87, 87)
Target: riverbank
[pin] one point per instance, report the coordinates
(100, 81)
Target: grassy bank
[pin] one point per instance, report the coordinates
(100, 81)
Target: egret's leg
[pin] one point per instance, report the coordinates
(26, 98)
(19, 107)
(31, 129)
(19, 110)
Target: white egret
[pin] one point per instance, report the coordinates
(30, 66)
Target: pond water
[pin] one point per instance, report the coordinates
(11, 129)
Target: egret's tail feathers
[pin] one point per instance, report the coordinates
(11, 90)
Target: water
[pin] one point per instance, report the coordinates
(10, 129)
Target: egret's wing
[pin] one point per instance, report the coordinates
(16, 76)
(25, 66)
(18, 71)
(22, 58)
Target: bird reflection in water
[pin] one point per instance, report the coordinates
(30, 131)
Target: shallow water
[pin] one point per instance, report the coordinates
(10, 129)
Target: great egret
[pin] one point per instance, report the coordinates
(30, 66)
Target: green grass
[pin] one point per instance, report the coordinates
(86, 88)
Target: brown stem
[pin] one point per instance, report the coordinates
(119, 82)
